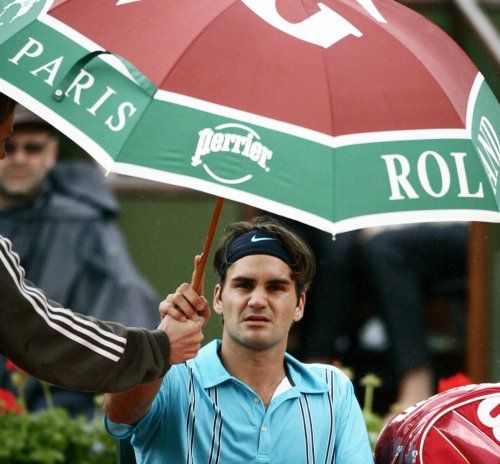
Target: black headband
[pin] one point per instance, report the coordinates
(255, 242)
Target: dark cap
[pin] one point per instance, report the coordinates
(25, 119)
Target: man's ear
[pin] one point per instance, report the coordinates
(217, 305)
(299, 310)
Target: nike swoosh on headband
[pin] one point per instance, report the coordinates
(255, 239)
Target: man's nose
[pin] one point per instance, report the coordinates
(19, 156)
(258, 298)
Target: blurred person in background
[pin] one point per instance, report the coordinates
(62, 222)
(404, 264)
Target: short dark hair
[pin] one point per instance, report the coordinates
(303, 266)
(7, 106)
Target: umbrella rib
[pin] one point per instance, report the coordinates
(329, 89)
(200, 33)
(60, 4)
(330, 104)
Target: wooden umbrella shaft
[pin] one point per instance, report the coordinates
(200, 269)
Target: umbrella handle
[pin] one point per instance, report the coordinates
(196, 283)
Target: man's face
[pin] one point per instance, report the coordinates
(258, 302)
(5, 132)
(31, 154)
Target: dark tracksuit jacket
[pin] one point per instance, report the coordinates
(69, 349)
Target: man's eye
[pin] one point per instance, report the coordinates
(243, 285)
(277, 288)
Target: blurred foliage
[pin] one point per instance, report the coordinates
(374, 423)
(51, 437)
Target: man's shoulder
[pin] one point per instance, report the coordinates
(63, 206)
(331, 375)
(78, 190)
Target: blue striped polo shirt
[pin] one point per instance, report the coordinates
(202, 414)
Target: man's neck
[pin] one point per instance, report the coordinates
(262, 371)
(11, 202)
(8, 200)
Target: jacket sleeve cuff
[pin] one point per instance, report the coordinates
(164, 345)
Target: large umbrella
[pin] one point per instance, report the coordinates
(340, 114)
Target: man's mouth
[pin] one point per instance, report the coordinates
(257, 319)
(18, 175)
(15, 172)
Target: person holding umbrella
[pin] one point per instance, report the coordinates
(244, 399)
(75, 351)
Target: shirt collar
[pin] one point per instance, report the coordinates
(212, 372)
(210, 367)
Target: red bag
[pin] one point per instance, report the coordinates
(459, 426)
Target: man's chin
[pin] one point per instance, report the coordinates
(18, 193)
(258, 342)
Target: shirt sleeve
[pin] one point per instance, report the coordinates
(68, 349)
(351, 440)
(153, 419)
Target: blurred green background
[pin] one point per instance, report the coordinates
(166, 231)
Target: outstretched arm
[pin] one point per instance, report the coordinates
(68, 349)
(130, 406)
(183, 317)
